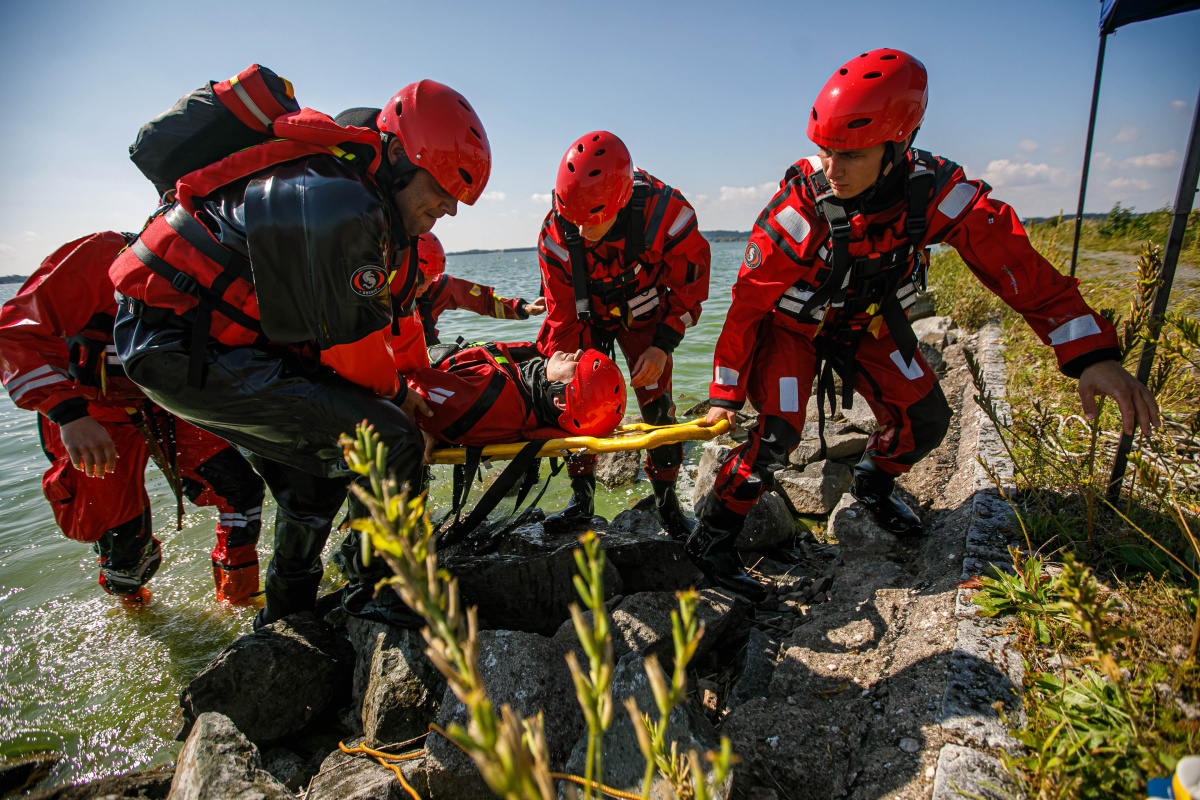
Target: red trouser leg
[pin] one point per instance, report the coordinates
(654, 401)
(111, 511)
(907, 400)
(780, 382)
(216, 474)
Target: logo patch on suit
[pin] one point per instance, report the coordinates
(753, 256)
(368, 280)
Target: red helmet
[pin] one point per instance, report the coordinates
(441, 133)
(595, 397)
(877, 97)
(595, 179)
(431, 256)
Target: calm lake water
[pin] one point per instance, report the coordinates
(83, 675)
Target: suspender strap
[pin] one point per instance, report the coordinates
(405, 294)
(635, 238)
(579, 271)
(839, 230)
(198, 237)
(513, 373)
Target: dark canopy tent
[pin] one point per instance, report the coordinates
(1114, 14)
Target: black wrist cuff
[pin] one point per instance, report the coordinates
(401, 395)
(521, 312)
(666, 338)
(1075, 367)
(68, 410)
(732, 405)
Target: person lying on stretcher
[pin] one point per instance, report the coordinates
(495, 393)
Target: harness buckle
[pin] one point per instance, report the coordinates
(915, 226)
(186, 283)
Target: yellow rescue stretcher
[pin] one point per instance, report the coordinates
(638, 436)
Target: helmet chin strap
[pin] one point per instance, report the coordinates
(893, 157)
(394, 177)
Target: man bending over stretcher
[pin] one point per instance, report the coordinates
(494, 393)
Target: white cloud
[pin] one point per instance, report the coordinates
(30, 235)
(1130, 183)
(1165, 160)
(1129, 133)
(1028, 145)
(1180, 104)
(6, 252)
(539, 197)
(493, 195)
(1003, 172)
(737, 194)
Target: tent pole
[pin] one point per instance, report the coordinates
(1185, 196)
(1087, 152)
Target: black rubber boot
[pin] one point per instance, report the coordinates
(295, 570)
(874, 488)
(711, 548)
(677, 524)
(579, 511)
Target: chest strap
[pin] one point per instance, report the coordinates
(635, 247)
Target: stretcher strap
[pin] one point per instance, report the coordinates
(517, 468)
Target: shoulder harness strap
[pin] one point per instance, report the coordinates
(579, 270)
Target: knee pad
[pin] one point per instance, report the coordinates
(659, 411)
(930, 419)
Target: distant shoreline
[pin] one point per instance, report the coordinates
(712, 236)
(13, 278)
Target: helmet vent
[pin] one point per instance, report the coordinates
(471, 128)
(597, 210)
(873, 75)
(864, 55)
(596, 363)
(858, 123)
(463, 103)
(466, 176)
(887, 57)
(579, 147)
(843, 71)
(593, 173)
(814, 113)
(599, 153)
(595, 138)
(398, 108)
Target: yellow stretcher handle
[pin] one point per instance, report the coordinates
(638, 436)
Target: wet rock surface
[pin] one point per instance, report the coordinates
(401, 691)
(272, 683)
(218, 762)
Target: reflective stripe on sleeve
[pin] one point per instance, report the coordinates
(684, 217)
(726, 376)
(244, 96)
(790, 220)
(557, 250)
(35, 384)
(1074, 329)
(912, 370)
(953, 203)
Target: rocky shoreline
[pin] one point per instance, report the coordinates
(863, 675)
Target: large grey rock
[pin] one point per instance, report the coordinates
(639, 521)
(853, 527)
(624, 765)
(528, 593)
(399, 690)
(529, 673)
(850, 444)
(963, 772)
(641, 623)
(936, 331)
(20, 773)
(649, 562)
(274, 682)
(359, 777)
(711, 457)
(618, 469)
(817, 489)
(933, 356)
(759, 664)
(219, 763)
(922, 308)
(142, 784)
(858, 417)
(769, 524)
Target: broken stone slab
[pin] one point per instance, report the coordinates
(219, 763)
(712, 456)
(757, 667)
(401, 689)
(984, 670)
(623, 763)
(525, 671)
(936, 331)
(963, 772)
(850, 444)
(532, 593)
(618, 469)
(649, 563)
(922, 307)
(817, 489)
(346, 776)
(853, 527)
(288, 768)
(273, 682)
(641, 623)
(769, 524)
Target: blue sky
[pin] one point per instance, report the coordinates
(711, 98)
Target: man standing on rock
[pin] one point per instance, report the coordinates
(834, 262)
(622, 261)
